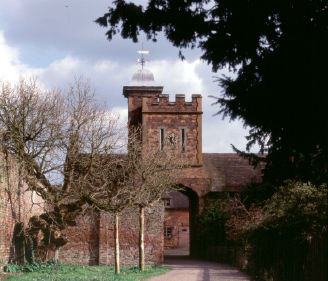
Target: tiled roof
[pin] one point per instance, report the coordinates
(178, 200)
(229, 171)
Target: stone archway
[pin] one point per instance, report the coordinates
(181, 209)
(193, 212)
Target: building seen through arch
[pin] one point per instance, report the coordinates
(176, 220)
(164, 124)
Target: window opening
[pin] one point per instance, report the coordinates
(167, 202)
(167, 232)
(183, 140)
(161, 139)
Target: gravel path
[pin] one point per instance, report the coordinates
(185, 269)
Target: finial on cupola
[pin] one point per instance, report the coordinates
(142, 77)
(142, 61)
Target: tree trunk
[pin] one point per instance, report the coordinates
(56, 259)
(117, 245)
(24, 253)
(141, 238)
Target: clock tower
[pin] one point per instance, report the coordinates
(165, 124)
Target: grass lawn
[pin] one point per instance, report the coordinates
(90, 273)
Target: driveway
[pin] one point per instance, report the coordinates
(186, 269)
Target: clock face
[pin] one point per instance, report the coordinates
(172, 139)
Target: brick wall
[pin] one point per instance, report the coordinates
(16, 205)
(175, 219)
(83, 241)
(92, 240)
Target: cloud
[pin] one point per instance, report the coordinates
(108, 77)
(66, 27)
(177, 77)
(11, 68)
(122, 114)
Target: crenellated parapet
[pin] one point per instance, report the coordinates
(161, 104)
(162, 120)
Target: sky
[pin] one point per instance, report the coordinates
(56, 41)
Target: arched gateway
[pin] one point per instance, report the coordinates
(163, 123)
(179, 123)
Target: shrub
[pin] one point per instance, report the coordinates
(211, 222)
(279, 234)
(43, 267)
(297, 209)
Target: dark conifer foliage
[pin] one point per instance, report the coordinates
(279, 53)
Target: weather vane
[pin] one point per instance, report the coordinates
(142, 60)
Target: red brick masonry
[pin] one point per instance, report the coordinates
(91, 241)
(16, 205)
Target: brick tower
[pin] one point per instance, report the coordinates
(165, 124)
(171, 125)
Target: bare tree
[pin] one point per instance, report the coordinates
(153, 173)
(47, 132)
(137, 178)
(108, 191)
(112, 190)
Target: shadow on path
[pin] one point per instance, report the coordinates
(187, 269)
(176, 252)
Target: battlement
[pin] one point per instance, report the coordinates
(161, 104)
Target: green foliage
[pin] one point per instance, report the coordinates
(211, 222)
(280, 234)
(91, 273)
(257, 193)
(44, 267)
(13, 268)
(296, 209)
(278, 52)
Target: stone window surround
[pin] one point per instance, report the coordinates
(168, 232)
(185, 139)
(167, 202)
(161, 146)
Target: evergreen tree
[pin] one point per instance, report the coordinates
(278, 51)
